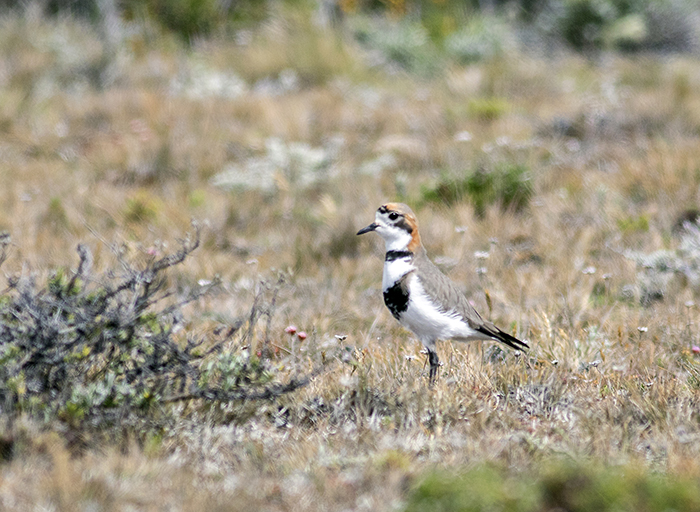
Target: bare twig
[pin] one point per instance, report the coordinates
(88, 346)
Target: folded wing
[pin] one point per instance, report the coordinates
(442, 291)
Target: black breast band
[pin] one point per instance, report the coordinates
(397, 255)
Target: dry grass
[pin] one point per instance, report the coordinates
(607, 144)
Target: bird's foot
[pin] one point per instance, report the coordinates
(434, 362)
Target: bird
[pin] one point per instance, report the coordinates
(419, 295)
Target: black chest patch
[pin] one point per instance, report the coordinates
(396, 299)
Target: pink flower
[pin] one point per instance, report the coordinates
(695, 349)
(291, 329)
(302, 335)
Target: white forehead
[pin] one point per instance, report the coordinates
(383, 215)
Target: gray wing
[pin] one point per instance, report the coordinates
(442, 291)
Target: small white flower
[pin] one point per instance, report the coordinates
(503, 141)
(642, 329)
(348, 381)
(573, 145)
(463, 136)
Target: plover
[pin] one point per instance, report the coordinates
(421, 297)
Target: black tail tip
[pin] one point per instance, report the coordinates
(514, 342)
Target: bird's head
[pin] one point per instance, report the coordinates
(397, 225)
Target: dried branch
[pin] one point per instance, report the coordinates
(93, 350)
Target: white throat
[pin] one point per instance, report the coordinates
(395, 239)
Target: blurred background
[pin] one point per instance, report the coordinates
(136, 116)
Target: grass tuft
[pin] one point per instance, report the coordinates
(566, 486)
(508, 185)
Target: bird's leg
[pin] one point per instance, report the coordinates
(434, 364)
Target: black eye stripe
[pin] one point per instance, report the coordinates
(403, 224)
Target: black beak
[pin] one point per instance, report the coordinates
(369, 228)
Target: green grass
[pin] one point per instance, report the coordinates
(581, 487)
(508, 186)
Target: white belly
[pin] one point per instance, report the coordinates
(429, 323)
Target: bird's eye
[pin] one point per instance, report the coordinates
(393, 216)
